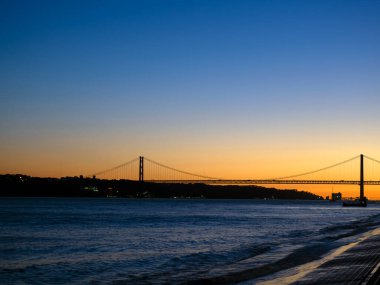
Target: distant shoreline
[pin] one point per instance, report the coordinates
(26, 186)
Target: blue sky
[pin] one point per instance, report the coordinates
(90, 84)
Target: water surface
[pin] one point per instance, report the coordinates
(141, 241)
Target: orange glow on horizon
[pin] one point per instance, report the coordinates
(237, 164)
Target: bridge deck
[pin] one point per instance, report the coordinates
(265, 181)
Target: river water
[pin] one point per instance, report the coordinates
(153, 241)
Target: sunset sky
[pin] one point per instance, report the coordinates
(232, 89)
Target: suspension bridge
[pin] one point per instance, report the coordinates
(347, 172)
(145, 169)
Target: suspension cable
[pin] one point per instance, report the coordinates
(370, 158)
(213, 178)
(314, 171)
(116, 167)
(181, 171)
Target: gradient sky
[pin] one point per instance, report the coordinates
(234, 89)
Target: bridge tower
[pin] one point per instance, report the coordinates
(361, 177)
(141, 169)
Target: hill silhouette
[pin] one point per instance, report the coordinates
(23, 185)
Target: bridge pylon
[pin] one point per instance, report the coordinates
(361, 177)
(141, 169)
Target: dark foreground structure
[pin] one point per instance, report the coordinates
(22, 185)
(358, 265)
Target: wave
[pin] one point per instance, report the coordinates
(325, 240)
(197, 264)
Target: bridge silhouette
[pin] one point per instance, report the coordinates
(347, 172)
(145, 169)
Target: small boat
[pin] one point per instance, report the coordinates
(355, 203)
